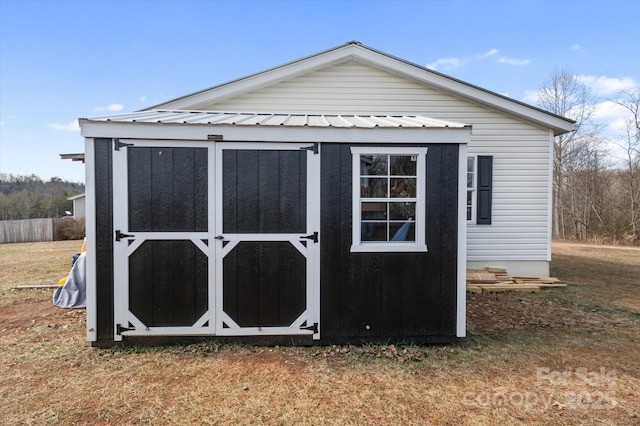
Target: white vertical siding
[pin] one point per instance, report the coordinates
(521, 151)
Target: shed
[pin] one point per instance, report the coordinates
(326, 200)
(78, 205)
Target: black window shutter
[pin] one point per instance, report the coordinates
(485, 183)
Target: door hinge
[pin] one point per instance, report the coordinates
(120, 329)
(313, 148)
(313, 237)
(313, 327)
(117, 144)
(120, 235)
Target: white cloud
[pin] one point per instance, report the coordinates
(142, 98)
(531, 96)
(609, 110)
(492, 52)
(612, 115)
(110, 107)
(600, 86)
(513, 61)
(618, 125)
(444, 63)
(576, 47)
(606, 113)
(8, 119)
(70, 127)
(607, 86)
(452, 62)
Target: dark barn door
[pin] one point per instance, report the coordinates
(163, 258)
(267, 252)
(216, 239)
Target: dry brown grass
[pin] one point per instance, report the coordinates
(51, 376)
(34, 263)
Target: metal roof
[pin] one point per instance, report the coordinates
(279, 119)
(73, 157)
(382, 60)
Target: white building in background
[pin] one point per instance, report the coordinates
(78, 205)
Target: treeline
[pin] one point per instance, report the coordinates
(601, 206)
(29, 197)
(596, 176)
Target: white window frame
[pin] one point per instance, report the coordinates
(472, 189)
(419, 245)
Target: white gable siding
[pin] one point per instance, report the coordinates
(521, 151)
(348, 87)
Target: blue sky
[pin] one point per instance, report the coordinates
(61, 60)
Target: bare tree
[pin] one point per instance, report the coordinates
(586, 191)
(630, 100)
(630, 144)
(564, 94)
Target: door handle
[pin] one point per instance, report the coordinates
(313, 237)
(120, 235)
(220, 237)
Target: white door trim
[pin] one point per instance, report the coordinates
(214, 321)
(122, 249)
(311, 251)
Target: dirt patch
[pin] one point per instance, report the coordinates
(492, 313)
(20, 315)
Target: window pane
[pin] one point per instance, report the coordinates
(374, 211)
(387, 199)
(373, 187)
(373, 165)
(470, 171)
(403, 165)
(402, 211)
(403, 188)
(374, 231)
(402, 231)
(469, 204)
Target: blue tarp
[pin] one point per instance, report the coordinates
(401, 234)
(73, 294)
